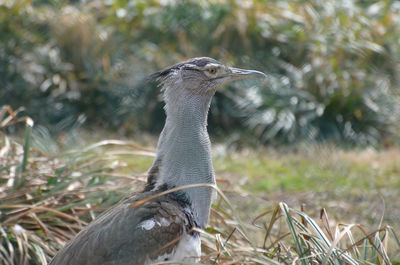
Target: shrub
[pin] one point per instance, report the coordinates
(333, 66)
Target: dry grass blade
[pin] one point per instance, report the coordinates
(12, 117)
(374, 241)
(174, 190)
(49, 209)
(219, 243)
(119, 143)
(325, 221)
(298, 245)
(274, 218)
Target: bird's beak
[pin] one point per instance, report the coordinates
(237, 74)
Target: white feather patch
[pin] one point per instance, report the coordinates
(188, 249)
(150, 223)
(147, 224)
(164, 222)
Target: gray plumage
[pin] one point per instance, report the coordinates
(117, 237)
(163, 228)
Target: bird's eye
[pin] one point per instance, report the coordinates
(212, 71)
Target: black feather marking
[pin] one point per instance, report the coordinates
(161, 74)
(153, 175)
(199, 61)
(181, 198)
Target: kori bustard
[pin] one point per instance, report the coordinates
(161, 229)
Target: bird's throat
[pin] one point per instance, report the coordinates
(184, 153)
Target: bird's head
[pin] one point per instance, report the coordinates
(202, 75)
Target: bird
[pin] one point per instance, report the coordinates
(162, 222)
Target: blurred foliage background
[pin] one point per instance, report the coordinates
(333, 66)
(79, 68)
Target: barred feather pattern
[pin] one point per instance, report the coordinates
(184, 148)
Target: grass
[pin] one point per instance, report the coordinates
(272, 208)
(307, 169)
(353, 186)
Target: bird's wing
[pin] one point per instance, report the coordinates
(129, 235)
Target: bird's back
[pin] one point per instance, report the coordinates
(158, 230)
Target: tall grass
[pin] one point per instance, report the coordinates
(62, 193)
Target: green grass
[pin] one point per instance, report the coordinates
(138, 164)
(347, 182)
(297, 172)
(269, 174)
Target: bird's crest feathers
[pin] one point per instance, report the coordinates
(193, 63)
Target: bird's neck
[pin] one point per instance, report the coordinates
(184, 151)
